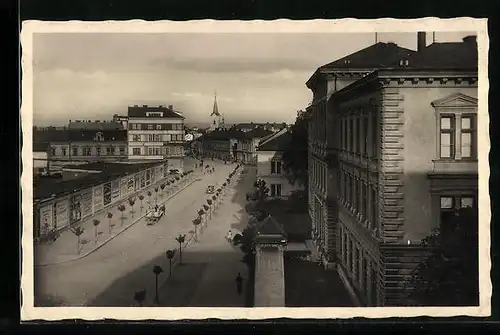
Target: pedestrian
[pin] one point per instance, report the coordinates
(229, 235)
(239, 284)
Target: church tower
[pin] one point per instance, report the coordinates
(216, 116)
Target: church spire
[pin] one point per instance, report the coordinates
(215, 110)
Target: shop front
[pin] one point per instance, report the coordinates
(98, 198)
(107, 194)
(87, 203)
(61, 210)
(47, 223)
(75, 208)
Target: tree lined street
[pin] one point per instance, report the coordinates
(110, 275)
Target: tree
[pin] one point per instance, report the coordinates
(157, 270)
(196, 223)
(140, 296)
(168, 187)
(246, 246)
(200, 213)
(110, 225)
(295, 155)
(180, 239)
(209, 202)
(156, 195)
(170, 255)
(162, 186)
(122, 208)
(141, 198)
(96, 225)
(131, 201)
(448, 276)
(78, 231)
(149, 197)
(260, 191)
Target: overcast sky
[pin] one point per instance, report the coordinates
(258, 77)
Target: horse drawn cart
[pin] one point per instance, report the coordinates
(154, 214)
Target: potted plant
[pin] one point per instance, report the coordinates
(96, 225)
(110, 225)
(131, 201)
(141, 198)
(122, 208)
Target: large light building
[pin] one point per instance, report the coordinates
(401, 155)
(325, 81)
(270, 165)
(156, 133)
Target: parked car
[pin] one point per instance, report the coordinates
(210, 189)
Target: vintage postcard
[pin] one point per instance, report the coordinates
(250, 170)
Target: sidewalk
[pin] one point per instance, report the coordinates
(64, 249)
(210, 265)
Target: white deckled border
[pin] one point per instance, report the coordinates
(478, 26)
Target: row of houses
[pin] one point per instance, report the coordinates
(88, 189)
(392, 153)
(146, 133)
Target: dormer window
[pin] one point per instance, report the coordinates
(404, 62)
(99, 136)
(347, 61)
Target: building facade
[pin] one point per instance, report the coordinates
(87, 141)
(401, 156)
(156, 133)
(327, 80)
(270, 165)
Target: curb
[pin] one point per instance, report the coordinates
(115, 235)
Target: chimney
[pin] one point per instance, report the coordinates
(171, 107)
(470, 39)
(421, 40)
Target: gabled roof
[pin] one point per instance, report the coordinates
(449, 55)
(276, 143)
(225, 135)
(96, 125)
(140, 111)
(258, 133)
(376, 56)
(270, 230)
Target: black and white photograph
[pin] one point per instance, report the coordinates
(206, 169)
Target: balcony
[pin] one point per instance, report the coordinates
(462, 166)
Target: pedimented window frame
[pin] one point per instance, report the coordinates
(457, 105)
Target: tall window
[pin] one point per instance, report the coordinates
(278, 167)
(63, 151)
(446, 137)
(357, 133)
(150, 126)
(467, 136)
(98, 151)
(449, 204)
(113, 150)
(356, 194)
(354, 266)
(364, 143)
(276, 190)
(273, 167)
(75, 151)
(53, 151)
(122, 150)
(136, 138)
(158, 127)
(351, 134)
(375, 136)
(364, 202)
(136, 151)
(374, 207)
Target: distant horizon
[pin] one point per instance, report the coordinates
(257, 77)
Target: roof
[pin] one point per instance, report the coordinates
(40, 146)
(449, 55)
(253, 125)
(276, 143)
(258, 133)
(140, 111)
(378, 55)
(109, 171)
(88, 135)
(270, 230)
(96, 125)
(225, 134)
(50, 135)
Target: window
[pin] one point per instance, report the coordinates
(276, 190)
(354, 259)
(113, 150)
(136, 151)
(158, 127)
(374, 208)
(150, 138)
(364, 143)
(351, 135)
(136, 138)
(150, 151)
(364, 271)
(98, 151)
(122, 150)
(75, 151)
(375, 138)
(467, 135)
(278, 167)
(53, 150)
(273, 167)
(356, 194)
(446, 137)
(87, 151)
(357, 135)
(63, 151)
(448, 207)
(364, 202)
(157, 151)
(150, 126)
(166, 138)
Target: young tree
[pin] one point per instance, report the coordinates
(131, 202)
(110, 224)
(168, 186)
(141, 198)
(209, 202)
(170, 255)
(200, 213)
(149, 198)
(180, 239)
(260, 192)
(96, 225)
(122, 208)
(157, 270)
(140, 296)
(78, 231)
(156, 195)
(196, 224)
(448, 276)
(162, 186)
(295, 155)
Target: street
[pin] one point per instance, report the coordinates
(110, 275)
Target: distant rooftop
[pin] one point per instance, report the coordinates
(276, 143)
(154, 111)
(94, 125)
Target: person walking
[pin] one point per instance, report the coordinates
(239, 284)
(229, 236)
